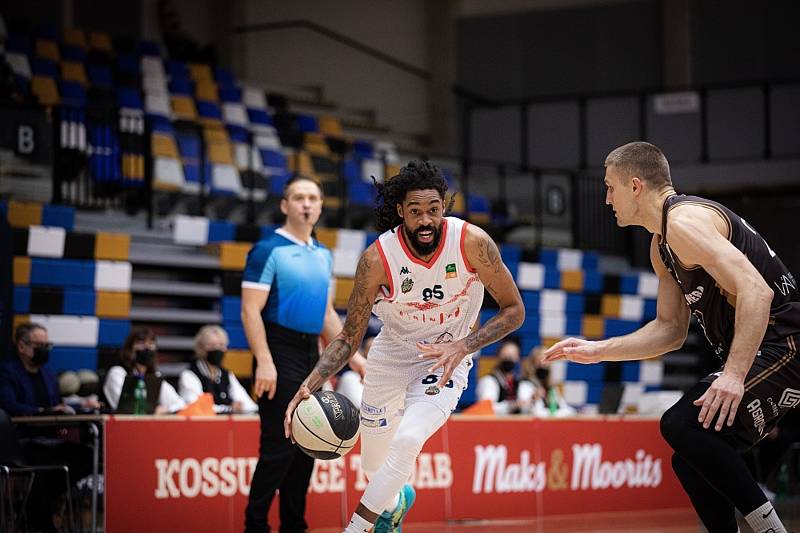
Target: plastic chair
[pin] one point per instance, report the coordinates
(12, 465)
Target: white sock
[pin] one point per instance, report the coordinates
(765, 518)
(393, 504)
(358, 524)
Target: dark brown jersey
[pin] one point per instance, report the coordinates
(714, 308)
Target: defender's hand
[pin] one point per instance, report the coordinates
(577, 350)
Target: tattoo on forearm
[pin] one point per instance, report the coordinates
(495, 329)
(333, 358)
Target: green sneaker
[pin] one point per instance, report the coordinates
(393, 522)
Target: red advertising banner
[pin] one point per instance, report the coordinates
(177, 474)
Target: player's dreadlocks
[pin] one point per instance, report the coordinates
(416, 175)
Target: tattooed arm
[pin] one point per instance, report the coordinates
(483, 255)
(370, 275)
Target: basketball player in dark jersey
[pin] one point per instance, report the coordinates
(713, 264)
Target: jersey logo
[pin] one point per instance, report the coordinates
(404, 270)
(785, 284)
(450, 271)
(407, 285)
(694, 296)
(790, 398)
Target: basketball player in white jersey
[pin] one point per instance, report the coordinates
(424, 278)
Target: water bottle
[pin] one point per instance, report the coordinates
(140, 397)
(552, 401)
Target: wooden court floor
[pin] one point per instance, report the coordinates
(661, 521)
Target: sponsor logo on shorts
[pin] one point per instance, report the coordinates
(757, 412)
(773, 406)
(433, 390)
(694, 296)
(372, 410)
(374, 422)
(407, 285)
(790, 398)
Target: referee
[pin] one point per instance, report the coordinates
(286, 305)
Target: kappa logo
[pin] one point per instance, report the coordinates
(407, 285)
(694, 296)
(790, 398)
(404, 270)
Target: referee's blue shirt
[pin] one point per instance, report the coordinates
(297, 276)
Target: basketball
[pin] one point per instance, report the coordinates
(326, 425)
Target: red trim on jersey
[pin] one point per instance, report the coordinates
(463, 251)
(430, 262)
(386, 268)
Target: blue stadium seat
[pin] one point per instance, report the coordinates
(72, 93)
(129, 98)
(44, 67)
(100, 76)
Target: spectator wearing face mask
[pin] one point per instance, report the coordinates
(26, 386)
(509, 395)
(206, 374)
(138, 358)
(548, 399)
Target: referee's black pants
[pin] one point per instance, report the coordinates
(281, 464)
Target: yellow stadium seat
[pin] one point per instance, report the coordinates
(112, 246)
(215, 134)
(593, 326)
(220, 153)
(100, 40)
(330, 126)
(328, 237)
(24, 214)
(315, 144)
(240, 362)
(200, 72)
(74, 71)
(207, 90)
(75, 37)
(486, 365)
(183, 108)
(300, 162)
(113, 304)
(572, 280)
(233, 255)
(163, 145)
(21, 319)
(45, 90)
(344, 287)
(610, 305)
(392, 170)
(47, 49)
(22, 270)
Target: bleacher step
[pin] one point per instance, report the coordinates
(166, 314)
(175, 288)
(171, 255)
(173, 342)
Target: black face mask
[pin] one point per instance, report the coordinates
(542, 373)
(214, 357)
(41, 354)
(507, 365)
(146, 357)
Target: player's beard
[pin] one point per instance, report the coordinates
(423, 248)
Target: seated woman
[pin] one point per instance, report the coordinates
(205, 374)
(509, 395)
(138, 358)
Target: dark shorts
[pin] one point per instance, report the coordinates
(771, 389)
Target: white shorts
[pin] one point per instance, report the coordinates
(393, 382)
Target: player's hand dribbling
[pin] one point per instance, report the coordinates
(302, 394)
(448, 356)
(577, 350)
(266, 379)
(723, 396)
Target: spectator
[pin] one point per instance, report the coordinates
(548, 399)
(205, 374)
(508, 394)
(26, 387)
(138, 358)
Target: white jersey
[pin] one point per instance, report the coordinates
(434, 301)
